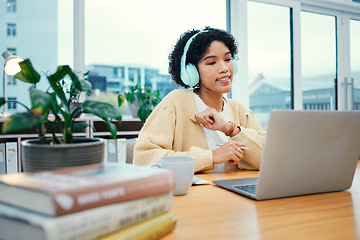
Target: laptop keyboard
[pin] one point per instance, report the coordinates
(247, 188)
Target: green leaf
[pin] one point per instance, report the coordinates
(27, 73)
(79, 126)
(101, 109)
(112, 127)
(130, 97)
(21, 121)
(121, 99)
(143, 113)
(85, 84)
(55, 108)
(54, 79)
(76, 86)
(2, 101)
(39, 100)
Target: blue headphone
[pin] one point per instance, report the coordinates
(188, 72)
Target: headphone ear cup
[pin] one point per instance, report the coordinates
(190, 76)
(235, 66)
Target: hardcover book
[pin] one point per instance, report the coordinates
(16, 223)
(150, 229)
(64, 191)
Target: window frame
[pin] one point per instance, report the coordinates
(343, 101)
(237, 24)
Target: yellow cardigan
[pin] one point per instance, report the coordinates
(169, 132)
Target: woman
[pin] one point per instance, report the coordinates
(198, 121)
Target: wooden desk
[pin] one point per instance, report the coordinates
(210, 212)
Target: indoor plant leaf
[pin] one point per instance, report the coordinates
(61, 72)
(79, 126)
(27, 73)
(121, 99)
(2, 101)
(22, 121)
(143, 113)
(130, 97)
(54, 106)
(57, 101)
(39, 100)
(85, 84)
(101, 109)
(112, 127)
(141, 101)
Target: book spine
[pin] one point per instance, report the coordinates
(121, 150)
(92, 223)
(111, 150)
(115, 193)
(11, 157)
(2, 159)
(151, 229)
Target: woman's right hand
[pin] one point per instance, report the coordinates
(229, 152)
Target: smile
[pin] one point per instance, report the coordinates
(223, 79)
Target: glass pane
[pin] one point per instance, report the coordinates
(128, 42)
(355, 61)
(269, 59)
(66, 32)
(318, 55)
(29, 29)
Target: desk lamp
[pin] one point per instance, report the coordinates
(11, 67)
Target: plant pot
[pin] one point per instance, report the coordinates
(134, 108)
(38, 156)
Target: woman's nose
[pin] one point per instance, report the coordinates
(223, 67)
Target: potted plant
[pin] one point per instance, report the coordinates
(141, 101)
(53, 109)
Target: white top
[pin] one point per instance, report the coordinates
(214, 138)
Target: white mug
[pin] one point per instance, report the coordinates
(183, 169)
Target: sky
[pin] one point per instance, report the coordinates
(139, 31)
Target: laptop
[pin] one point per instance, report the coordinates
(305, 152)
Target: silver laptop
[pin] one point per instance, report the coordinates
(305, 152)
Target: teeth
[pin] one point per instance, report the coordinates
(224, 79)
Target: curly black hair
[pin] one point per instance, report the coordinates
(197, 49)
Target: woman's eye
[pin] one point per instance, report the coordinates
(211, 63)
(228, 59)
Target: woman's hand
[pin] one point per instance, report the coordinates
(229, 152)
(211, 119)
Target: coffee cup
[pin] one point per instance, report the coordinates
(183, 170)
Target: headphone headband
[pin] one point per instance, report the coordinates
(187, 45)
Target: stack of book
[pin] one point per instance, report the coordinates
(111, 201)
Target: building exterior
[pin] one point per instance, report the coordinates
(118, 79)
(318, 94)
(28, 29)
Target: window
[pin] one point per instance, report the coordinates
(65, 35)
(11, 5)
(11, 29)
(10, 80)
(318, 46)
(355, 64)
(11, 103)
(136, 41)
(12, 51)
(269, 59)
